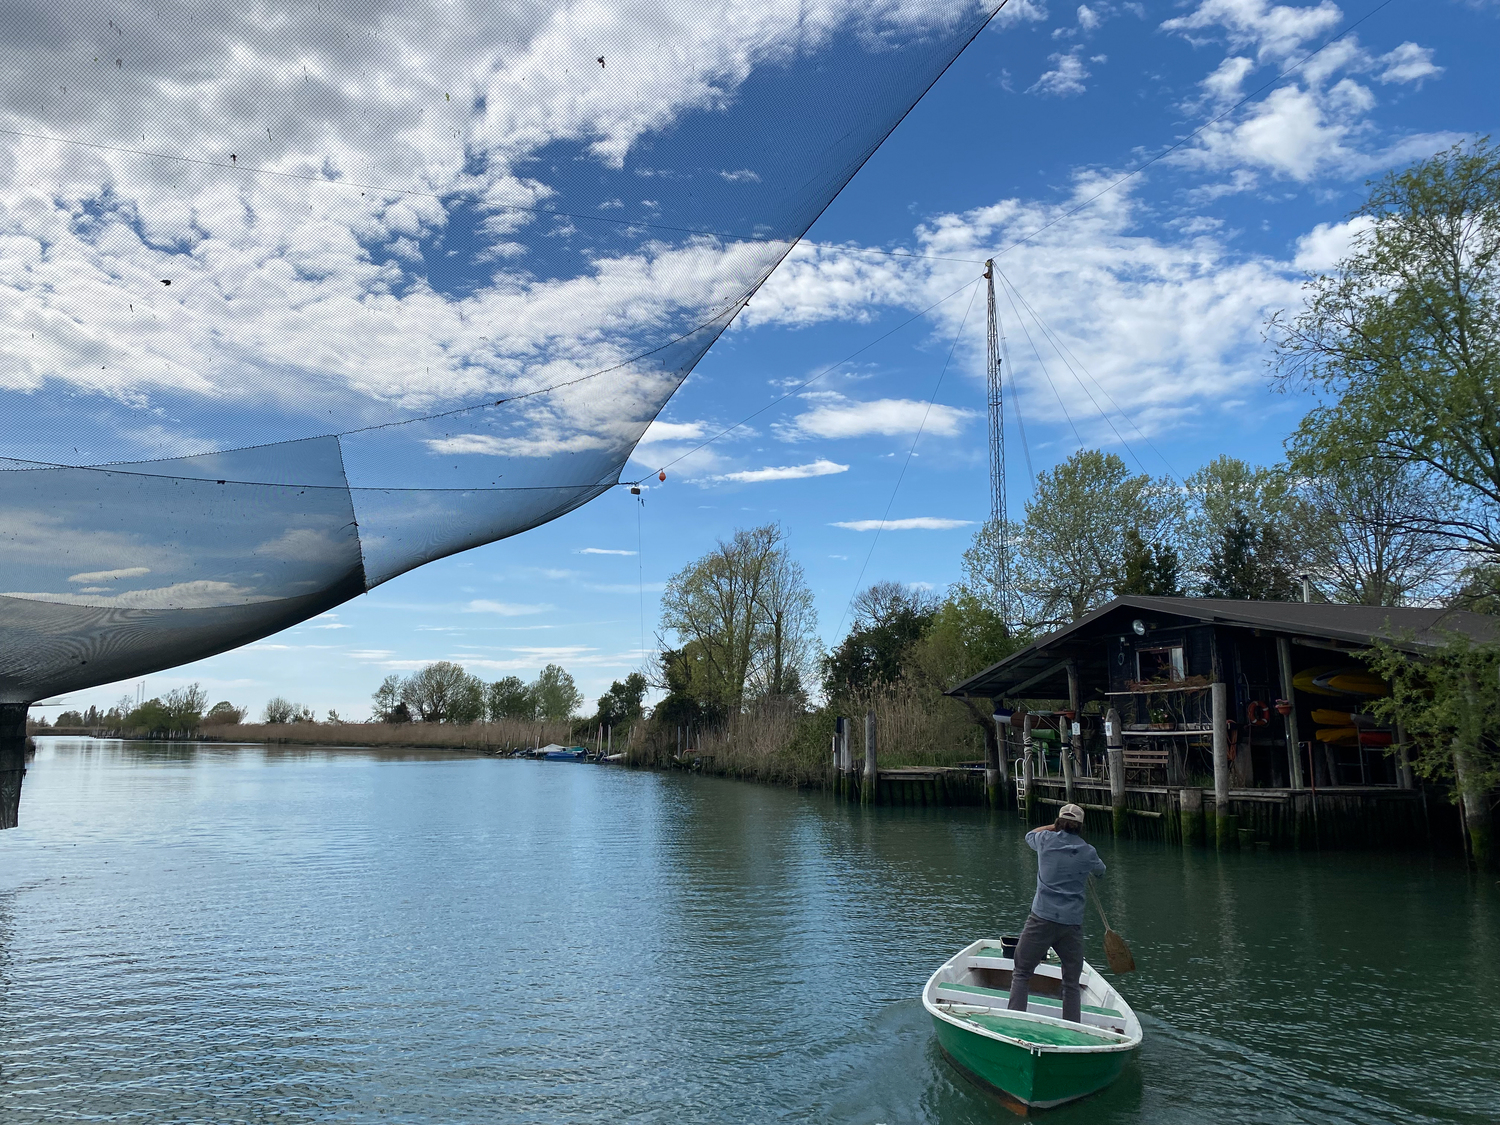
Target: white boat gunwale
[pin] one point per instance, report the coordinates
(952, 1012)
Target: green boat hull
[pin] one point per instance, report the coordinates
(1041, 1079)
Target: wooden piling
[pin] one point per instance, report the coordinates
(1114, 742)
(1289, 693)
(1190, 816)
(1226, 826)
(872, 775)
(994, 766)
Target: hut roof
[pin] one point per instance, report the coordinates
(1039, 669)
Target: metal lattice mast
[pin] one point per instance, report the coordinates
(997, 447)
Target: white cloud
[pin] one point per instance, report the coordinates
(1065, 78)
(1274, 30)
(110, 575)
(504, 609)
(602, 551)
(886, 416)
(660, 431)
(1088, 19)
(818, 468)
(914, 523)
(1326, 244)
(1408, 63)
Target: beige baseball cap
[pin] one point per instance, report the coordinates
(1070, 812)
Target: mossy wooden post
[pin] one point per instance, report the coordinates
(1114, 750)
(1071, 743)
(994, 764)
(872, 774)
(1404, 776)
(1226, 826)
(12, 761)
(1475, 807)
(1065, 741)
(1289, 693)
(1191, 804)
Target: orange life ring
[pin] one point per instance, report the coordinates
(1257, 714)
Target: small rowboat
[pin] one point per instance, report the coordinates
(1035, 1057)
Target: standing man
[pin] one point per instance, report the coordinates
(1064, 862)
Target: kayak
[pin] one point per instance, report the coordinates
(1036, 1057)
(1339, 682)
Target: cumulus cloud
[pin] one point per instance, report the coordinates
(819, 468)
(602, 551)
(1324, 246)
(1065, 78)
(887, 416)
(913, 523)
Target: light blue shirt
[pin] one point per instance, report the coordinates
(1063, 865)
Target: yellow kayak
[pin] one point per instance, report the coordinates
(1339, 682)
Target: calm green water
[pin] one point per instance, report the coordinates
(217, 934)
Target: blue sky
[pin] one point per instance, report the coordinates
(1159, 289)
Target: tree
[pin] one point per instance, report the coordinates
(443, 692)
(889, 618)
(183, 708)
(746, 614)
(511, 698)
(690, 699)
(282, 710)
(557, 696)
(1068, 551)
(1447, 702)
(224, 714)
(1229, 492)
(69, 719)
(622, 703)
(388, 705)
(1149, 569)
(1371, 540)
(1247, 563)
(1402, 339)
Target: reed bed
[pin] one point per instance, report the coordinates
(914, 727)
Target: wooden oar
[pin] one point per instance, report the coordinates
(1115, 948)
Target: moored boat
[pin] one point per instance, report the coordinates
(1035, 1056)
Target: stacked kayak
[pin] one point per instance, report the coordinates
(1036, 1057)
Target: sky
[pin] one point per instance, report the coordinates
(1145, 225)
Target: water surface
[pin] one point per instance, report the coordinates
(221, 934)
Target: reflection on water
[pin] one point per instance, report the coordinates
(220, 933)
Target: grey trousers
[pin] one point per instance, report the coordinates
(1039, 936)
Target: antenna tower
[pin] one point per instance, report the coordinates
(997, 448)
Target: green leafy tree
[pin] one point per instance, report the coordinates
(1069, 550)
(443, 692)
(1247, 563)
(282, 710)
(746, 614)
(388, 706)
(690, 683)
(69, 719)
(622, 703)
(511, 698)
(1149, 569)
(1228, 493)
(224, 714)
(184, 707)
(1402, 340)
(1448, 702)
(889, 619)
(557, 696)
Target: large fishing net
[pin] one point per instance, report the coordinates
(296, 298)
